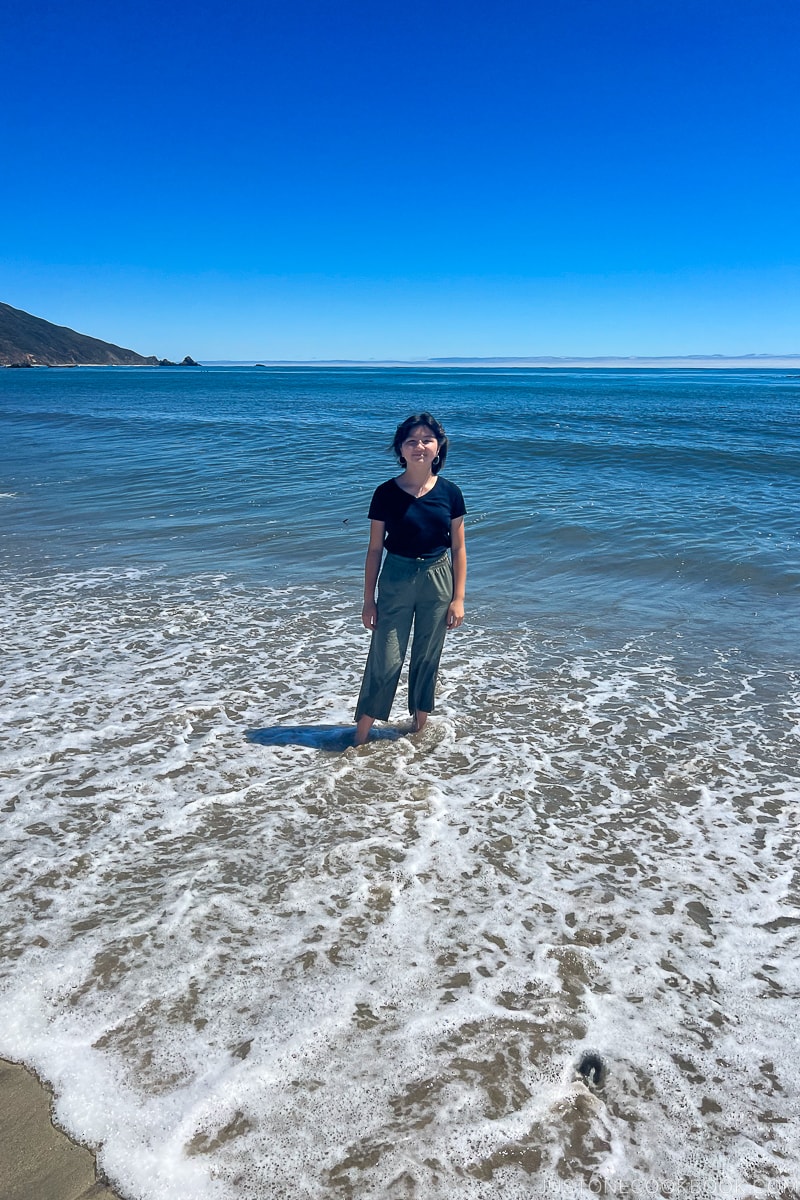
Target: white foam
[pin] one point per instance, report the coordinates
(255, 970)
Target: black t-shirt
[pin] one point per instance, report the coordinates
(417, 526)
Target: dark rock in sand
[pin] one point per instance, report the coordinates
(592, 1068)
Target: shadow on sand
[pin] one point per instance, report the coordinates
(333, 738)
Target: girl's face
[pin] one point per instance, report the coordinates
(420, 446)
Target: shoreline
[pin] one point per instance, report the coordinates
(38, 1159)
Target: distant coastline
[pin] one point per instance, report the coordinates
(698, 362)
(631, 362)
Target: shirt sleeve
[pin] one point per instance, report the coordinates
(379, 509)
(457, 506)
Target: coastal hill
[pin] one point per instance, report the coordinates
(31, 341)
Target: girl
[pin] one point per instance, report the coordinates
(418, 519)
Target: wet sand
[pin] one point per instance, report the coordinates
(38, 1161)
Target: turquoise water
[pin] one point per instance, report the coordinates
(253, 962)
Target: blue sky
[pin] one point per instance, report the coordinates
(343, 179)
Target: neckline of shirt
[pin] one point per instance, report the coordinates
(410, 495)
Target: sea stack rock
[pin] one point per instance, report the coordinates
(189, 362)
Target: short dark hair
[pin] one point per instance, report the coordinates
(411, 422)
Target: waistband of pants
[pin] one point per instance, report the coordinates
(418, 562)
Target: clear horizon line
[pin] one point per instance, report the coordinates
(522, 360)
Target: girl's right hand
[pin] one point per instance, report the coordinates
(369, 615)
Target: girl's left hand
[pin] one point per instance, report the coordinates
(455, 614)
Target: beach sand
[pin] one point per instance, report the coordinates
(38, 1161)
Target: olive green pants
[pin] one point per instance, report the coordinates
(410, 590)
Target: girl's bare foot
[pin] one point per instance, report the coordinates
(420, 720)
(362, 730)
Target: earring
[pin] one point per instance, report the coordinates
(436, 461)
(402, 461)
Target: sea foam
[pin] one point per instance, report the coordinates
(255, 969)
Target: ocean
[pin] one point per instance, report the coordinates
(547, 949)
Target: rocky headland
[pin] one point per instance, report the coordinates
(28, 341)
